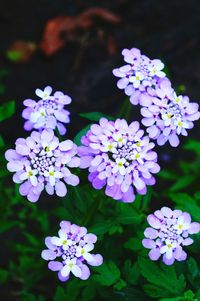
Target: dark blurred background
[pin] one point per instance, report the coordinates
(92, 42)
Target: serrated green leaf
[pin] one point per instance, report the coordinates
(163, 279)
(131, 272)
(95, 116)
(109, 274)
(7, 110)
(188, 296)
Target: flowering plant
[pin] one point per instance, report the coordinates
(123, 161)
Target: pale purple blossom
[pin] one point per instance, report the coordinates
(42, 162)
(70, 252)
(168, 233)
(140, 75)
(167, 116)
(47, 113)
(118, 157)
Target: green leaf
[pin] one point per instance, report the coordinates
(6, 225)
(60, 294)
(133, 244)
(3, 275)
(163, 280)
(127, 214)
(95, 116)
(182, 182)
(109, 274)
(167, 175)
(193, 145)
(101, 227)
(192, 267)
(7, 110)
(131, 272)
(2, 143)
(186, 203)
(77, 138)
(188, 296)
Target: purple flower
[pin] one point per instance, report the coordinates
(41, 161)
(139, 76)
(119, 157)
(168, 233)
(168, 116)
(70, 252)
(48, 112)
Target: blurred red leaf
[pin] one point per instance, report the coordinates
(21, 51)
(68, 26)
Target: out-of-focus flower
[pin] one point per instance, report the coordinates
(41, 161)
(169, 232)
(48, 112)
(168, 116)
(70, 252)
(119, 157)
(140, 75)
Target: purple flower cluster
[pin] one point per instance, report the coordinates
(48, 112)
(41, 161)
(139, 76)
(119, 157)
(70, 252)
(167, 115)
(168, 233)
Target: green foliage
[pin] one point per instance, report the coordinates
(95, 116)
(77, 138)
(163, 280)
(7, 110)
(109, 274)
(127, 273)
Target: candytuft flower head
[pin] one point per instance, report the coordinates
(41, 161)
(70, 252)
(119, 157)
(140, 75)
(169, 116)
(168, 233)
(48, 112)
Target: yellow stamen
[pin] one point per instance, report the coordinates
(51, 173)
